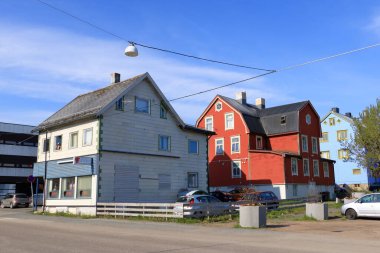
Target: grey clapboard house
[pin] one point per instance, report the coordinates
(122, 143)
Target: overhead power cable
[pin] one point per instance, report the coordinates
(210, 60)
(147, 46)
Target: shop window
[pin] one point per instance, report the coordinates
(84, 187)
(68, 185)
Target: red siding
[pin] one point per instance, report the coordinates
(220, 165)
(267, 168)
(287, 143)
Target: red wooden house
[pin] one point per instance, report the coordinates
(273, 148)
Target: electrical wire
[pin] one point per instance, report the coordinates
(147, 46)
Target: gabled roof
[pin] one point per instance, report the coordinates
(344, 117)
(95, 103)
(266, 121)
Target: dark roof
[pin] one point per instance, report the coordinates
(198, 130)
(87, 105)
(283, 109)
(267, 121)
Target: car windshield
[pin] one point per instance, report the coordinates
(21, 196)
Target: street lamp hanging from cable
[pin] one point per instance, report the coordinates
(131, 50)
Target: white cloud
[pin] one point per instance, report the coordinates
(57, 65)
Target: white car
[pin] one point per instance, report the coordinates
(366, 206)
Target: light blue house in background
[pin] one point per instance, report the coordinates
(337, 127)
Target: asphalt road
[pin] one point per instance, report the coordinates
(21, 231)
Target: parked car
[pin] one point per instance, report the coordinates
(341, 192)
(222, 196)
(200, 206)
(186, 192)
(375, 187)
(266, 198)
(366, 206)
(12, 200)
(239, 192)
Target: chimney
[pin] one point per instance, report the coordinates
(260, 103)
(241, 97)
(348, 114)
(115, 78)
(335, 109)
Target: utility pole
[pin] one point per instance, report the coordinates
(45, 174)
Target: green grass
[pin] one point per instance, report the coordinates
(64, 214)
(284, 214)
(305, 218)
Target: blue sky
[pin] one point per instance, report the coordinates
(47, 58)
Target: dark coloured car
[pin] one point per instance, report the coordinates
(239, 192)
(222, 196)
(375, 187)
(12, 200)
(266, 198)
(341, 192)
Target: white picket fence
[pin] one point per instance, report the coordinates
(162, 210)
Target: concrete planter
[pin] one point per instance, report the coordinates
(253, 216)
(319, 211)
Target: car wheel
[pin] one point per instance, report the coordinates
(351, 214)
(11, 205)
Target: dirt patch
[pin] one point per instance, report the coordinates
(356, 229)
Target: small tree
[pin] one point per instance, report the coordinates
(364, 146)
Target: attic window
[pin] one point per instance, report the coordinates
(218, 107)
(163, 112)
(120, 104)
(283, 120)
(142, 105)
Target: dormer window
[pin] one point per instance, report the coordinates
(283, 120)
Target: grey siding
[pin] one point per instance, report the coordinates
(133, 132)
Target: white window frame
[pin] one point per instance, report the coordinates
(294, 172)
(308, 167)
(257, 145)
(314, 139)
(216, 146)
(84, 136)
(216, 106)
(196, 183)
(55, 142)
(307, 144)
(232, 168)
(225, 121)
(316, 162)
(232, 137)
(212, 123)
(326, 171)
(70, 143)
